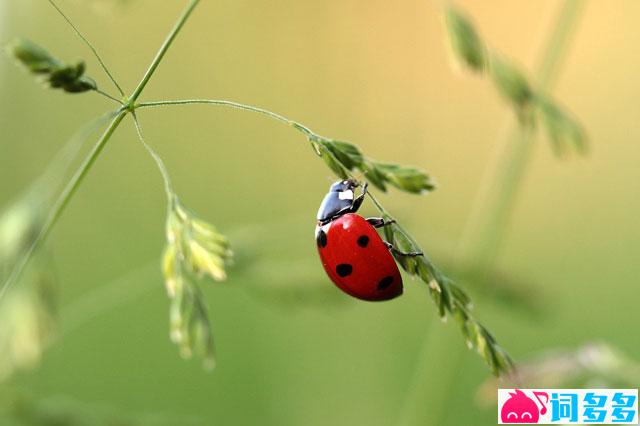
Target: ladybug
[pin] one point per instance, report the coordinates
(354, 256)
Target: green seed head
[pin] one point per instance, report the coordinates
(35, 58)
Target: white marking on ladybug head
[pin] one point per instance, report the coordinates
(346, 195)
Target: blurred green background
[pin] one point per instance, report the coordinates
(291, 348)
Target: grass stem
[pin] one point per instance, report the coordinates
(108, 96)
(487, 226)
(90, 45)
(163, 50)
(156, 157)
(234, 105)
(74, 183)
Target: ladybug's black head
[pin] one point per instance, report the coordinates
(339, 200)
(344, 185)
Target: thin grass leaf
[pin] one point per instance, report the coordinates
(408, 179)
(334, 164)
(563, 131)
(346, 153)
(374, 176)
(464, 41)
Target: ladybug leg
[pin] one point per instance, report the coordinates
(403, 253)
(379, 222)
(357, 202)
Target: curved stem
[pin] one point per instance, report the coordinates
(270, 114)
(163, 170)
(235, 105)
(91, 47)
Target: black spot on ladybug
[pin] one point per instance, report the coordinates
(385, 282)
(344, 269)
(321, 238)
(363, 241)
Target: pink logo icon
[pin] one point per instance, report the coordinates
(519, 408)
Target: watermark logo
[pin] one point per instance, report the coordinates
(568, 406)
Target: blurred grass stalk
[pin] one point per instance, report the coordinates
(433, 382)
(28, 313)
(492, 209)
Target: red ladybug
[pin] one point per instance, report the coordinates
(354, 256)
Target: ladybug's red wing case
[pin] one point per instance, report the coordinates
(357, 260)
